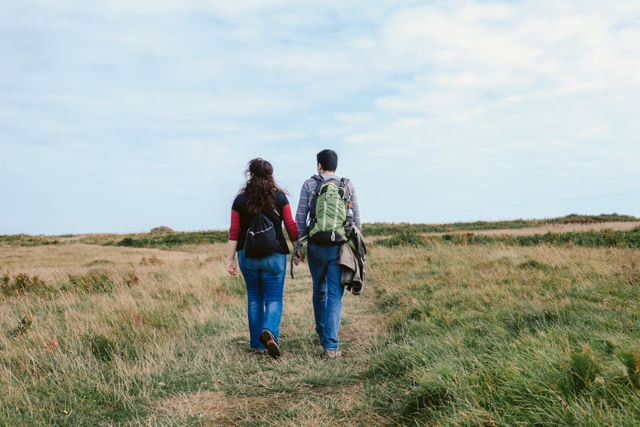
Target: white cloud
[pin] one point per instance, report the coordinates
(491, 103)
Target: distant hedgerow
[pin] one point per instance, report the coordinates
(391, 229)
(175, 239)
(27, 240)
(604, 238)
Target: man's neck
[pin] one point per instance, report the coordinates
(323, 172)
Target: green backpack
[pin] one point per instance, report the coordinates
(328, 220)
(328, 211)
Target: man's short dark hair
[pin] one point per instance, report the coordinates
(328, 159)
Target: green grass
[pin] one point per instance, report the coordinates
(604, 238)
(448, 332)
(491, 336)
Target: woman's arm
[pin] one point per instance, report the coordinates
(290, 224)
(232, 268)
(234, 233)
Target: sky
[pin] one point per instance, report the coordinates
(122, 116)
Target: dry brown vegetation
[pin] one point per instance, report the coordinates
(445, 334)
(164, 341)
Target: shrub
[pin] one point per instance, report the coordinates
(531, 320)
(151, 261)
(631, 361)
(20, 284)
(132, 280)
(583, 368)
(22, 327)
(161, 230)
(101, 347)
(429, 395)
(104, 348)
(93, 283)
(128, 242)
(533, 265)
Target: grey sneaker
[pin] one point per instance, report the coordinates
(331, 354)
(258, 352)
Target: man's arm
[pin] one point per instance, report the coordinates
(303, 210)
(301, 220)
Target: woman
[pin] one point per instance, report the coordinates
(264, 277)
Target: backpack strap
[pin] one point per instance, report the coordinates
(344, 183)
(319, 180)
(311, 204)
(314, 196)
(275, 207)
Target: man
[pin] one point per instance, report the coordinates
(323, 259)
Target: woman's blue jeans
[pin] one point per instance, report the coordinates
(327, 292)
(264, 278)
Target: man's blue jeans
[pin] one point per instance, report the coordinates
(327, 292)
(264, 278)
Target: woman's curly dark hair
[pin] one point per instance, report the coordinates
(260, 188)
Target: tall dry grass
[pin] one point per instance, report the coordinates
(125, 336)
(445, 334)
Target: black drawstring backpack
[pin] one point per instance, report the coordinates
(261, 238)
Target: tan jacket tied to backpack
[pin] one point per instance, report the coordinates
(353, 262)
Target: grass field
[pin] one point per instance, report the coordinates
(448, 332)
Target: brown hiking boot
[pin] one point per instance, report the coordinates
(269, 341)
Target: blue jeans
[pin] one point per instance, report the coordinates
(264, 278)
(327, 292)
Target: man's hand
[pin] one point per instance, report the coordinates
(298, 257)
(231, 267)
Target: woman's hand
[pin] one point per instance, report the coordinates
(231, 267)
(298, 257)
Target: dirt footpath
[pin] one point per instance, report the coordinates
(553, 228)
